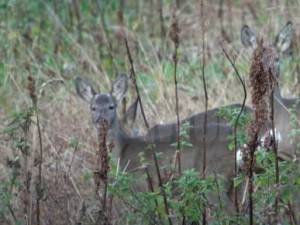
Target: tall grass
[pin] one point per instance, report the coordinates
(54, 41)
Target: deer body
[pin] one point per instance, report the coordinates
(129, 147)
(216, 143)
(287, 147)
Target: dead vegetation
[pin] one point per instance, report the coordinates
(48, 144)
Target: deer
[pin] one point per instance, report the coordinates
(127, 146)
(271, 57)
(287, 150)
(271, 61)
(281, 46)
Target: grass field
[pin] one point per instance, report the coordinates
(55, 41)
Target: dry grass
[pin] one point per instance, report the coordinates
(65, 117)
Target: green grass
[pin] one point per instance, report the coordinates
(46, 40)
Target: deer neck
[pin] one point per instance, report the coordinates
(277, 93)
(125, 147)
(119, 139)
(116, 138)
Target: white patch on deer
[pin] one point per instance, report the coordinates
(269, 134)
(239, 158)
(277, 135)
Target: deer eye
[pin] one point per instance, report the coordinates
(93, 108)
(111, 107)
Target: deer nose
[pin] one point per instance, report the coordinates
(97, 116)
(102, 115)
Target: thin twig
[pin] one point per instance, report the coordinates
(11, 211)
(39, 184)
(236, 125)
(174, 34)
(73, 157)
(162, 188)
(34, 99)
(221, 19)
(76, 6)
(204, 219)
(250, 187)
(218, 196)
(133, 78)
(245, 193)
(120, 13)
(275, 150)
(161, 19)
(106, 35)
(292, 213)
(80, 213)
(151, 188)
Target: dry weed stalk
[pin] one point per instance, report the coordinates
(223, 31)
(105, 35)
(151, 188)
(161, 20)
(202, 16)
(160, 183)
(39, 189)
(262, 82)
(32, 90)
(275, 150)
(21, 168)
(174, 35)
(76, 8)
(101, 173)
(133, 78)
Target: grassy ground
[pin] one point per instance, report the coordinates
(55, 41)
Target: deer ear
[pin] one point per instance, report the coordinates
(284, 38)
(119, 87)
(248, 37)
(84, 89)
